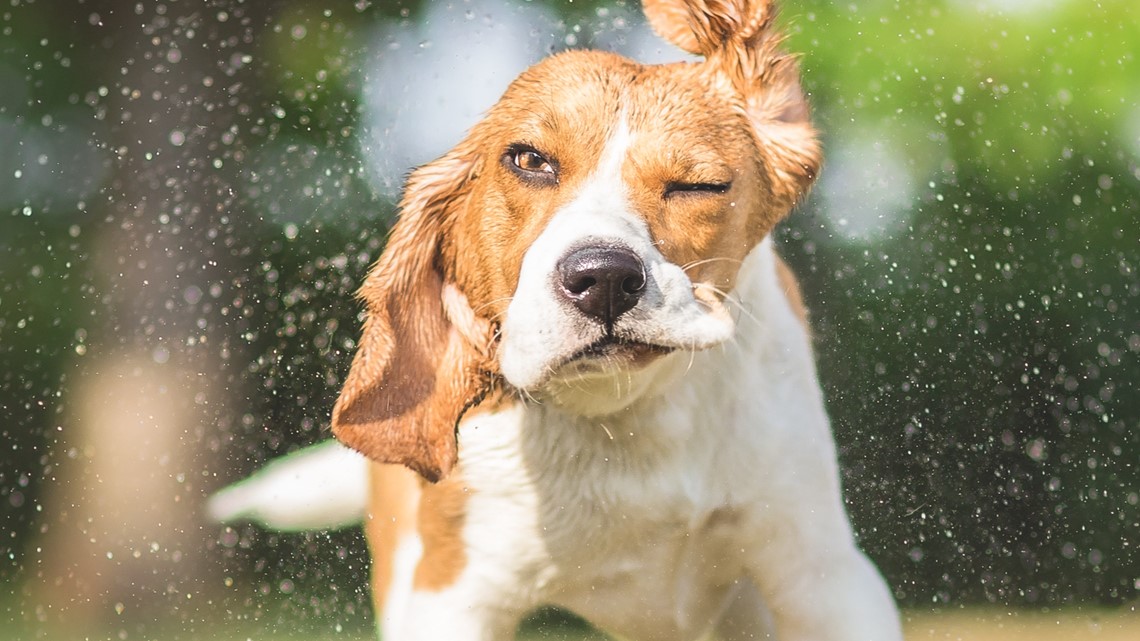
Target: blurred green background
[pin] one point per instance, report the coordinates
(190, 192)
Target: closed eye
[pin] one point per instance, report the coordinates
(675, 189)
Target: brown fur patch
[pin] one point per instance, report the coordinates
(792, 291)
(402, 504)
(392, 512)
(416, 370)
(685, 130)
(442, 514)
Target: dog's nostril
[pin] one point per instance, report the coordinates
(580, 285)
(633, 284)
(602, 282)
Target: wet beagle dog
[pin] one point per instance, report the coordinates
(585, 377)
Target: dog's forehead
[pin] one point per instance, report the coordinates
(584, 96)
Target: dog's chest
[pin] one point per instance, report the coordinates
(664, 561)
(641, 531)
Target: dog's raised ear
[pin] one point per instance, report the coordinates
(738, 38)
(423, 357)
(706, 26)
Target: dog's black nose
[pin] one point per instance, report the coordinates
(602, 282)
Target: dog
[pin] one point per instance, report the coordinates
(585, 377)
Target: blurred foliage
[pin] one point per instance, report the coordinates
(981, 358)
(982, 362)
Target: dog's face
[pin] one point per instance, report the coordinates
(594, 221)
(614, 206)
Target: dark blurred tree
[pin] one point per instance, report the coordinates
(173, 84)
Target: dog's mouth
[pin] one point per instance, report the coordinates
(618, 350)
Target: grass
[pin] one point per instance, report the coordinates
(1070, 624)
(968, 624)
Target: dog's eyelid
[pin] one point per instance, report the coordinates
(678, 188)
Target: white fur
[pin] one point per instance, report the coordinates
(409, 550)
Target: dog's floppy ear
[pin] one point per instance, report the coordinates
(423, 357)
(738, 39)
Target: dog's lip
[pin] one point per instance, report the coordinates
(615, 346)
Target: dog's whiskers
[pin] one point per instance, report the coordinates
(530, 397)
(492, 302)
(697, 263)
(728, 298)
(692, 357)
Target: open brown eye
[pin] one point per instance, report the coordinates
(528, 164)
(530, 160)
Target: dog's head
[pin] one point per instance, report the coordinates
(593, 222)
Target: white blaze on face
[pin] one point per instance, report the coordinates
(542, 329)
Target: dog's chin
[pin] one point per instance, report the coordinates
(607, 374)
(603, 377)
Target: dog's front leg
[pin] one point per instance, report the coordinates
(428, 582)
(820, 587)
